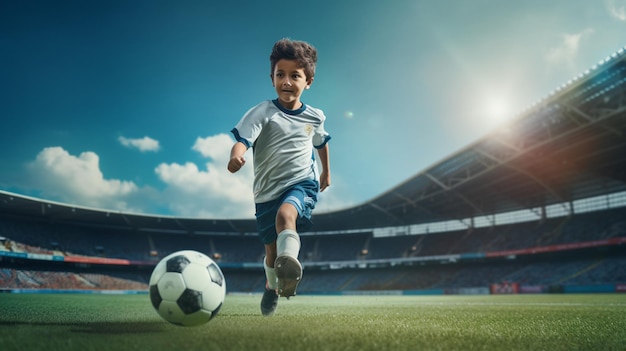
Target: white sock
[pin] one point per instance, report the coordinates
(270, 274)
(288, 243)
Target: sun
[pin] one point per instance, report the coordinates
(497, 109)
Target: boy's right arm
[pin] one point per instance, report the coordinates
(236, 157)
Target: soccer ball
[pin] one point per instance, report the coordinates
(187, 288)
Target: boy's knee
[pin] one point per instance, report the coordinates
(287, 214)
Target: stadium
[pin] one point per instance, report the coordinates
(537, 206)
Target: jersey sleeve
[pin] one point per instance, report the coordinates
(321, 136)
(250, 125)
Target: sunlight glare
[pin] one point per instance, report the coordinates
(497, 110)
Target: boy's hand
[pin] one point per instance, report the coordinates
(236, 163)
(236, 157)
(324, 180)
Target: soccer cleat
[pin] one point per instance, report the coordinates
(289, 274)
(269, 302)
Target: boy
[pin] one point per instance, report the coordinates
(283, 133)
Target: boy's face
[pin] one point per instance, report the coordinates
(289, 81)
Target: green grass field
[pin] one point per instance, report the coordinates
(128, 322)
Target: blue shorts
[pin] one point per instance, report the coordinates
(303, 196)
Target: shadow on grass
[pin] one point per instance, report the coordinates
(116, 328)
(119, 328)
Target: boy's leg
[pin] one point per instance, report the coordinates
(269, 301)
(287, 267)
(266, 224)
(268, 265)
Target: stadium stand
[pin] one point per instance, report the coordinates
(586, 268)
(25, 235)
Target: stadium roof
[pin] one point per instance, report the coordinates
(570, 145)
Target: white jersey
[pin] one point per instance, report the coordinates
(282, 142)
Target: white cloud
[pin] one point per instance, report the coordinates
(617, 11)
(144, 144)
(566, 51)
(212, 192)
(78, 180)
(215, 147)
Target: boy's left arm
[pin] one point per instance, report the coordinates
(325, 161)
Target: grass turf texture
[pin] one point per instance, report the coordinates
(128, 322)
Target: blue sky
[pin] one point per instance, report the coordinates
(127, 105)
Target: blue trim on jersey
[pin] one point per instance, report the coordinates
(326, 139)
(239, 138)
(289, 112)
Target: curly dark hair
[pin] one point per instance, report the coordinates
(302, 52)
